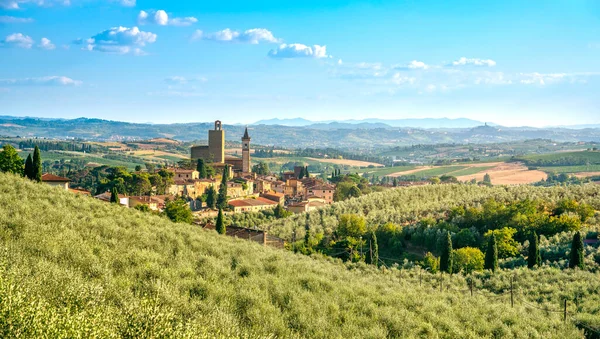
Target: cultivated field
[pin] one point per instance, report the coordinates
(356, 163)
(508, 174)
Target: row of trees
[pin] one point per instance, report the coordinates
(11, 162)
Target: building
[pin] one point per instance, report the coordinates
(293, 188)
(55, 180)
(123, 199)
(184, 174)
(246, 166)
(323, 191)
(258, 236)
(306, 206)
(155, 202)
(215, 150)
(274, 196)
(251, 205)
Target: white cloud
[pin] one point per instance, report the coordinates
(160, 17)
(47, 81)
(5, 19)
(120, 40)
(46, 44)
(127, 3)
(250, 36)
(286, 51)
(542, 79)
(400, 79)
(179, 80)
(473, 62)
(16, 4)
(413, 65)
(17, 40)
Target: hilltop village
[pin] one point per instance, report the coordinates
(202, 177)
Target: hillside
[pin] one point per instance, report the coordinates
(72, 266)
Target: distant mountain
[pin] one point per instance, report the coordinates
(377, 123)
(584, 126)
(285, 122)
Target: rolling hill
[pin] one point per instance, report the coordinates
(72, 266)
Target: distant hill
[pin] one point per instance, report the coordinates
(285, 122)
(377, 123)
(339, 135)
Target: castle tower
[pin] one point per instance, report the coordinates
(216, 143)
(246, 167)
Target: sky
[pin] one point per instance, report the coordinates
(514, 63)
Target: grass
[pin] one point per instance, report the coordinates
(570, 169)
(72, 266)
(592, 156)
(384, 171)
(438, 171)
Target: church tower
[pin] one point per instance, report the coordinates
(246, 168)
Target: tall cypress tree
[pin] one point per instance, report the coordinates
(534, 252)
(220, 226)
(37, 165)
(114, 195)
(576, 259)
(29, 167)
(373, 257)
(306, 174)
(211, 197)
(307, 231)
(201, 168)
(446, 257)
(491, 254)
(222, 197)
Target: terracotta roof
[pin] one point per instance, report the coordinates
(79, 191)
(181, 170)
(54, 178)
(251, 202)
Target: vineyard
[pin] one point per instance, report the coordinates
(72, 266)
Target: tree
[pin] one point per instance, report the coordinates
(431, 263)
(222, 197)
(446, 257)
(220, 226)
(373, 255)
(306, 174)
(351, 225)
(178, 211)
(201, 168)
(534, 258)
(491, 254)
(211, 197)
(507, 246)
(37, 165)
(138, 168)
(395, 182)
(262, 168)
(576, 259)
(467, 260)
(10, 161)
(114, 195)
(29, 167)
(307, 231)
(487, 179)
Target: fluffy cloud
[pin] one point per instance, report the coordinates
(120, 40)
(413, 65)
(16, 4)
(17, 40)
(5, 19)
(161, 18)
(286, 51)
(250, 36)
(473, 62)
(46, 81)
(46, 44)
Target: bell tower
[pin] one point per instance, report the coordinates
(246, 168)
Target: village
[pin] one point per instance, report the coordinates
(247, 191)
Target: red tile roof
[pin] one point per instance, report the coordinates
(54, 178)
(251, 202)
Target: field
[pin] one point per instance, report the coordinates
(508, 174)
(72, 266)
(348, 162)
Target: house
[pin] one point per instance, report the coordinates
(306, 206)
(80, 191)
(262, 186)
(251, 205)
(293, 188)
(184, 174)
(274, 196)
(323, 191)
(155, 203)
(55, 180)
(278, 186)
(123, 199)
(258, 236)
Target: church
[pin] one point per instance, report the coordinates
(214, 152)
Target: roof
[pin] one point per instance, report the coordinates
(246, 136)
(323, 187)
(106, 196)
(80, 191)
(275, 194)
(49, 177)
(251, 202)
(182, 170)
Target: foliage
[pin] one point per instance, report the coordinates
(211, 197)
(114, 195)
(10, 161)
(351, 225)
(36, 169)
(220, 224)
(120, 273)
(262, 168)
(467, 260)
(178, 211)
(491, 254)
(446, 259)
(201, 168)
(576, 258)
(507, 246)
(222, 196)
(534, 258)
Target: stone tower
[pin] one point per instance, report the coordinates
(246, 167)
(216, 143)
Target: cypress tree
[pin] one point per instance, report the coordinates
(534, 251)
(220, 227)
(211, 199)
(491, 254)
(37, 165)
(201, 168)
(373, 257)
(222, 197)
(29, 167)
(114, 195)
(306, 174)
(307, 231)
(576, 259)
(446, 257)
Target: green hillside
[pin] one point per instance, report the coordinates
(72, 266)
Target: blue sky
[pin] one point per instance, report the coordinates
(515, 63)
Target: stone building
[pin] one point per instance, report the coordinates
(215, 150)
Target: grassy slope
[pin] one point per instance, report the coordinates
(76, 267)
(592, 156)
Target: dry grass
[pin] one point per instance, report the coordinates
(508, 174)
(357, 163)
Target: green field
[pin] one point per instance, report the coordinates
(384, 170)
(438, 171)
(592, 156)
(471, 170)
(94, 158)
(571, 169)
(121, 273)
